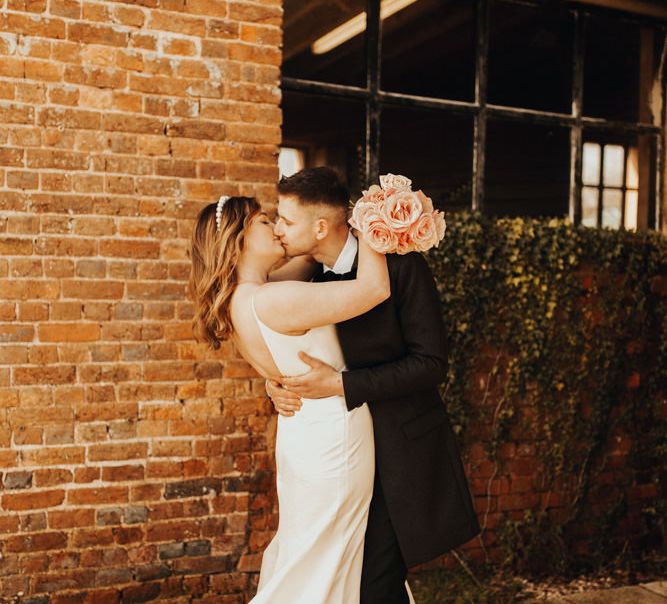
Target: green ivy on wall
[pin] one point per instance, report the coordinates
(558, 341)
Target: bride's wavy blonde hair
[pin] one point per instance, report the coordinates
(215, 254)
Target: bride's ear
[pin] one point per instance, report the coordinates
(321, 228)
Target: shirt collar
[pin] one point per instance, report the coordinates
(345, 259)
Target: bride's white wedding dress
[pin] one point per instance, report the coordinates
(325, 461)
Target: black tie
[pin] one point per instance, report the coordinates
(331, 276)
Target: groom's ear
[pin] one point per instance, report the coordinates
(321, 228)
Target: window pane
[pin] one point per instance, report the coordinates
(631, 207)
(527, 169)
(290, 161)
(612, 204)
(591, 164)
(428, 48)
(329, 132)
(325, 41)
(632, 170)
(589, 206)
(530, 56)
(613, 166)
(433, 149)
(611, 69)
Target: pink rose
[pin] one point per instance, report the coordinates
(400, 210)
(362, 211)
(375, 194)
(427, 204)
(395, 181)
(405, 243)
(424, 232)
(379, 236)
(440, 224)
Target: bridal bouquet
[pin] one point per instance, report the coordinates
(393, 218)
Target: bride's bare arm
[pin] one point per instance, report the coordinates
(293, 306)
(300, 268)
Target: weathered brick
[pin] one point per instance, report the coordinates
(17, 480)
(11, 156)
(171, 550)
(204, 565)
(201, 547)
(117, 451)
(22, 180)
(16, 333)
(196, 129)
(96, 34)
(36, 542)
(109, 516)
(71, 518)
(93, 289)
(63, 160)
(199, 487)
(16, 114)
(131, 123)
(66, 8)
(32, 501)
(182, 24)
(64, 374)
(69, 332)
(69, 118)
(97, 495)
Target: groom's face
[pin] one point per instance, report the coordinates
(296, 226)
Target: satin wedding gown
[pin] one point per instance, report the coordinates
(325, 462)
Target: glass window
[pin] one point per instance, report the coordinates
(610, 194)
(328, 132)
(428, 48)
(432, 148)
(530, 56)
(290, 161)
(324, 41)
(527, 169)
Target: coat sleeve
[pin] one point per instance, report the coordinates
(424, 364)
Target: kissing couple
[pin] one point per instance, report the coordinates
(353, 347)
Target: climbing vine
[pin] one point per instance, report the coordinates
(558, 341)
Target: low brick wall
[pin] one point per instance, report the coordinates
(628, 484)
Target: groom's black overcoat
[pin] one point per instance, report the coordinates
(396, 355)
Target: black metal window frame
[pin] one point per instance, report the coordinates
(481, 110)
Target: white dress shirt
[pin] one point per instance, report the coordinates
(346, 257)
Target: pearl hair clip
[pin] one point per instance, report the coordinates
(218, 210)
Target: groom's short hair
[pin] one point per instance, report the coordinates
(316, 186)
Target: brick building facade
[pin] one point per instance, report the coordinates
(128, 453)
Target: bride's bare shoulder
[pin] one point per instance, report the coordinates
(242, 297)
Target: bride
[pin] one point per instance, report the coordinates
(325, 453)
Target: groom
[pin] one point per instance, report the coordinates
(395, 357)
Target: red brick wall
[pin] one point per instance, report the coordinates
(621, 489)
(129, 455)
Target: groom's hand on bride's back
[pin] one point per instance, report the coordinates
(285, 402)
(321, 381)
